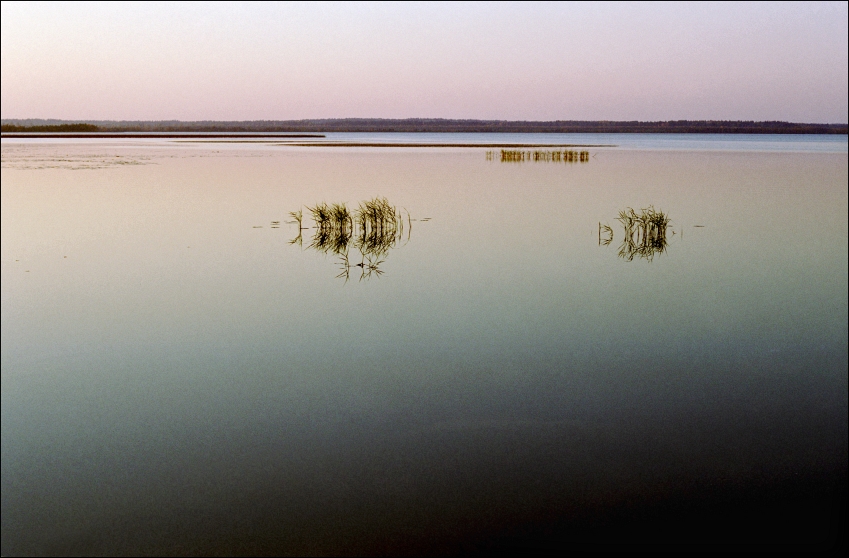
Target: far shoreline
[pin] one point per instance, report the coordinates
(164, 135)
(417, 125)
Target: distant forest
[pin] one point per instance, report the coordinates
(58, 128)
(426, 125)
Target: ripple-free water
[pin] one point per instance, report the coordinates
(178, 376)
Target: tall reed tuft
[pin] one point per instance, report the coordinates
(379, 226)
(333, 227)
(645, 233)
(372, 229)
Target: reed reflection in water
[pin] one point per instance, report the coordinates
(556, 156)
(492, 391)
(644, 233)
(372, 229)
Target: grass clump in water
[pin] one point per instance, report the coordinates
(605, 234)
(645, 233)
(298, 217)
(557, 156)
(334, 227)
(372, 229)
(379, 227)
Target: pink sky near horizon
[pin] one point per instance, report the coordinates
(540, 61)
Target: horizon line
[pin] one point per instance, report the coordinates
(421, 119)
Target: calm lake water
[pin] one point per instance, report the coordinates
(179, 377)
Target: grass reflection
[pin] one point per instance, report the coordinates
(361, 239)
(298, 217)
(556, 156)
(644, 233)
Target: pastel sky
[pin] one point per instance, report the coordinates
(514, 61)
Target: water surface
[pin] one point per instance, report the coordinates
(178, 377)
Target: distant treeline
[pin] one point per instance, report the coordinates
(429, 125)
(58, 128)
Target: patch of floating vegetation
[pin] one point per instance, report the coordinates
(645, 233)
(372, 229)
(82, 162)
(556, 156)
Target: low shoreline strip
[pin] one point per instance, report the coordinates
(134, 135)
